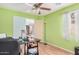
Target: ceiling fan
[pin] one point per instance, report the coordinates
(39, 6)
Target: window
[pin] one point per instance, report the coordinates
(71, 25)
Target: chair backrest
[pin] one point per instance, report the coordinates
(9, 46)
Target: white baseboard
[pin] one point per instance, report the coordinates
(60, 48)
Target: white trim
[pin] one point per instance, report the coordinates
(60, 48)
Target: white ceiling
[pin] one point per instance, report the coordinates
(27, 7)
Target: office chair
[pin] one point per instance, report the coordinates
(9, 46)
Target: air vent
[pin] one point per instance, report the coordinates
(58, 4)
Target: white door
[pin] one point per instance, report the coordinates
(39, 29)
(18, 25)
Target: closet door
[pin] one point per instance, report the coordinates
(39, 29)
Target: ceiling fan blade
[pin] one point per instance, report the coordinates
(37, 5)
(43, 8)
(40, 4)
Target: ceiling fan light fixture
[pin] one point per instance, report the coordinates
(39, 12)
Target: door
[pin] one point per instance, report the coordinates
(39, 29)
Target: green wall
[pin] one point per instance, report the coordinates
(6, 20)
(53, 29)
(53, 25)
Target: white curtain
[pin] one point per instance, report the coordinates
(65, 26)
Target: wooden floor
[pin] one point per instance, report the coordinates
(50, 50)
